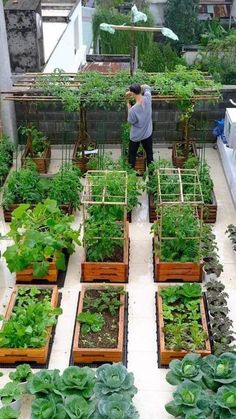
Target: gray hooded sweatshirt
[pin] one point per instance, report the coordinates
(140, 117)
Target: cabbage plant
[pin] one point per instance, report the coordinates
(43, 381)
(218, 371)
(48, 408)
(225, 403)
(75, 380)
(187, 368)
(190, 402)
(77, 407)
(114, 379)
(116, 406)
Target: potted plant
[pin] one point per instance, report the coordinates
(182, 324)
(21, 375)
(7, 412)
(11, 395)
(83, 153)
(6, 157)
(37, 148)
(177, 253)
(99, 331)
(41, 236)
(34, 310)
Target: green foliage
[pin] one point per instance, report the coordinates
(10, 393)
(218, 58)
(218, 371)
(8, 412)
(65, 186)
(107, 299)
(212, 29)
(40, 234)
(179, 223)
(91, 322)
(190, 401)
(225, 403)
(182, 17)
(120, 41)
(73, 394)
(117, 406)
(114, 379)
(209, 251)
(27, 326)
(39, 141)
(160, 57)
(6, 151)
(21, 374)
(187, 368)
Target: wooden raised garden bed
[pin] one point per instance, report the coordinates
(80, 162)
(66, 208)
(27, 274)
(140, 164)
(178, 161)
(166, 355)
(109, 271)
(38, 355)
(42, 163)
(89, 355)
(209, 211)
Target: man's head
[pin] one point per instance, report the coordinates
(135, 88)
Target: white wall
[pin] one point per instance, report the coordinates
(64, 55)
(157, 9)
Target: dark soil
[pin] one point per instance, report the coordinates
(118, 255)
(108, 336)
(38, 297)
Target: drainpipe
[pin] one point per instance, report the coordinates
(7, 108)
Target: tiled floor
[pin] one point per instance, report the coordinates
(153, 390)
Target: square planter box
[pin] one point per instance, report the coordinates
(80, 162)
(178, 161)
(38, 355)
(66, 208)
(166, 355)
(42, 163)
(140, 165)
(109, 271)
(90, 355)
(27, 274)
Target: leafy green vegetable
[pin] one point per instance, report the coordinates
(21, 374)
(6, 152)
(91, 322)
(40, 234)
(114, 379)
(75, 380)
(7, 412)
(187, 368)
(44, 408)
(117, 406)
(77, 407)
(219, 371)
(225, 403)
(190, 401)
(43, 382)
(10, 393)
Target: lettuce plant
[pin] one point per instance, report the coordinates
(187, 368)
(75, 380)
(10, 393)
(7, 412)
(225, 403)
(114, 379)
(116, 406)
(77, 407)
(21, 374)
(190, 402)
(219, 371)
(43, 382)
(44, 407)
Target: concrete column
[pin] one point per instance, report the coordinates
(7, 108)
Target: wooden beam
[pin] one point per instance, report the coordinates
(135, 28)
(119, 58)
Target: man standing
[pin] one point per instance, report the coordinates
(140, 118)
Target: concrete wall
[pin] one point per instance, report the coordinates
(105, 125)
(157, 9)
(65, 55)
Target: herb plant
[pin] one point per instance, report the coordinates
(40, 234)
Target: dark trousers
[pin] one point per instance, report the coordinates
(133, 148)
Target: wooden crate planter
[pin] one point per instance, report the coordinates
(80, 162)
(151, 209)
(38, 355)
(209, 211)
(173, 271)
(42, 163)
(27, 274)
(166, 355)
(90, 355)
(66, 208)
(140, 164)
(178, 161)
(109, 271)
